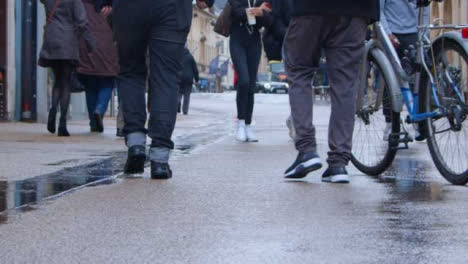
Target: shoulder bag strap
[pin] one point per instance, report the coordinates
(52, 12)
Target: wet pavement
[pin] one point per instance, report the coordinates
(228, 203)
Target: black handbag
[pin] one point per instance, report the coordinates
(224, 22)
(76, 85)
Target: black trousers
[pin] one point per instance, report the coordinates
(246, 50)
(185, 93)
(405, 41)
(140, 25)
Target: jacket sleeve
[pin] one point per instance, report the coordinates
(281, 20)
(209, 2)
(195, 69)
(81, 22)
(267, 19)
(383, 19)
(238, 11)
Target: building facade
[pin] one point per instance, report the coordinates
(205, 46)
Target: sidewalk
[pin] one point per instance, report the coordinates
(228, 202)
(28, 149)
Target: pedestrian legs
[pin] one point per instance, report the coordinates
(140, 25)
(343, 41)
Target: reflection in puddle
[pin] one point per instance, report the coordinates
(405, 179)
(408, 215)
(19, 194)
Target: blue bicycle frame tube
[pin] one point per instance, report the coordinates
(412, 104)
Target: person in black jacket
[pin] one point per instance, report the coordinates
(189, 73)
(246, 48)
(276, 30)
(339, 27)
(161, 26)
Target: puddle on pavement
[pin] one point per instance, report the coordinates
(409, 214)
(22, 194)
(409, 181)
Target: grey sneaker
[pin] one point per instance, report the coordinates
(336, 175)
(305, 163)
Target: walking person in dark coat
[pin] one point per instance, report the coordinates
(274, 33)
(161, 26)
(99, 69)
(66, 20)
(189, 73)
(339, 27)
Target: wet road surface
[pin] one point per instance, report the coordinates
(228, 203)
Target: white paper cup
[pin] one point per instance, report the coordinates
(251, 20)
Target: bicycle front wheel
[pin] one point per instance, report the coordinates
(375, 120)
(448, 134)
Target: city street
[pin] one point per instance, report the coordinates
(228, 202)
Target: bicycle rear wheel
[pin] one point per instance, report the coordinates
(375, 120)
(448, 135)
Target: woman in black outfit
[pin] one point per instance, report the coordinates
(66, 19)
(246, 49)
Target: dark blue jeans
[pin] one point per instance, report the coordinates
(98, 93)
(140, 25)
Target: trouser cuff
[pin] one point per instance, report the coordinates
(159, 155)
(136, 139)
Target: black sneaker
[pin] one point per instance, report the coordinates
(136, 160)
(336, 175)
(305, 163)
(160, 171)
(119, 132)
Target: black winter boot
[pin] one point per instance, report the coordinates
(51, 120)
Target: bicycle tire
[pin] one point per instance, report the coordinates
(386, 159)
(456, 178)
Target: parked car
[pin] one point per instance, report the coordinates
(278, 72)
(266, 85)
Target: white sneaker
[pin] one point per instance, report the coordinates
(387, 131)
(241, 135)
(290, 125)
(250, 134)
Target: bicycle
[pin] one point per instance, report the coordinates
(437, 105)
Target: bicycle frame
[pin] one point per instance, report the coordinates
(411, 98)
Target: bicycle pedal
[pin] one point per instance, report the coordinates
(396, 139)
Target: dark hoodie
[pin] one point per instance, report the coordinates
(190, 70)
(360, 8)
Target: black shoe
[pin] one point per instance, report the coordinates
(336, 175)
(62, 129)
(93, 128)
(99, 122)
(119, 133)
(305, 163)
(422, 134)
(51, 121)
(160, 171)
(135, 160)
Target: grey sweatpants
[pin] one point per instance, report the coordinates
(342, 39)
